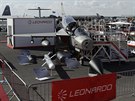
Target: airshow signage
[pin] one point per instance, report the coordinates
(99, 88)
(43, 21)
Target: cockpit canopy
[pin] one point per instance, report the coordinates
(81, 31)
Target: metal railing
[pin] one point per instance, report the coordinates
(43, 91)
(40, 92)
(125, 82)
(17, 87)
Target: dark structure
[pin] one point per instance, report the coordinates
(6, 11)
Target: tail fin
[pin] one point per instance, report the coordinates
(6, 11)
(98, 16)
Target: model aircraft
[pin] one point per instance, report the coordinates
(79, 41)
(79, 36)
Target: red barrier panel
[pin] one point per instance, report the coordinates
(99, 88)
(3, 95)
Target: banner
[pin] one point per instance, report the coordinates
(98, 88)
(3, 95)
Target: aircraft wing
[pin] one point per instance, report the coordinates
(62, 32)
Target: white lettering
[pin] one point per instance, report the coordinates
(82, 92)
(94, 89)
(70, 94)
(109, 87)
(77, 92)
(85, 91)
(104, 88)
(88, 91)
(99, 88)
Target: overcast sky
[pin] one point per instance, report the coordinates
(71, 7)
